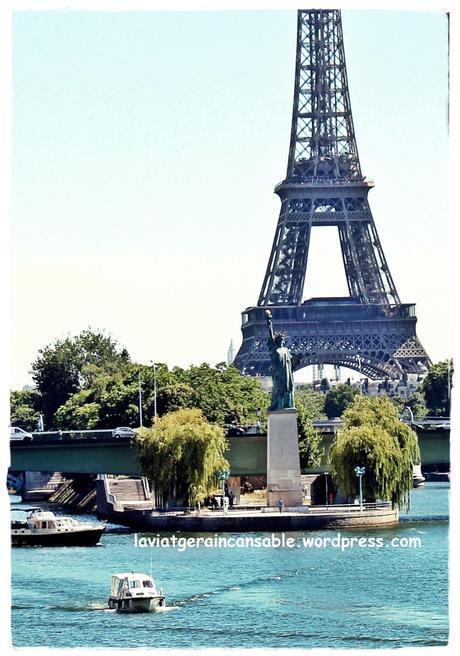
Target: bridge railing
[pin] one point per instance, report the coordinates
(331, 509)
(73, 434)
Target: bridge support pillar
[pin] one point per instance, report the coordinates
(39, 485)
(283, 462)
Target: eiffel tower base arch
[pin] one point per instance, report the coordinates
(378, 341)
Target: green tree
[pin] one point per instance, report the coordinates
(417, 404)
(93, 363)
(78, 412)
(119, 405)
(111, 401)
(224, 394)
(311, 400)
(24, 409)
(69, 365)
(310, 449)
(182, 454)
(174, 397)
(373, 437)
(338, 399)
(437, 387)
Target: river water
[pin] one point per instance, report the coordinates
(394, 595)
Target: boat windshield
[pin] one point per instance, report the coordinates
(140, 583)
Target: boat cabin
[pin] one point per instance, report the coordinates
(45, 520)
(133, 583)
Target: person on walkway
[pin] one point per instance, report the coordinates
(280, 504)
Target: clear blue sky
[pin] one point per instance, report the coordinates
(145, 151)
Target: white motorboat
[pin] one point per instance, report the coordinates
(417, 477)
(45, 529)
(135, 593)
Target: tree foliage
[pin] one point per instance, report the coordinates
(311, 400)
(71, 364)
(111, 400)
(24, 409)
(373, 437)
(185, 450)
(175, 397)
(310, 449)
(417, 404)
(338, 399)
(91, 370)
(437, 388)
(78, 413)
(224, 394)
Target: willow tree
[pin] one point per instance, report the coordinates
(373, 437)
(182, 454)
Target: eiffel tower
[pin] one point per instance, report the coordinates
(370, 330)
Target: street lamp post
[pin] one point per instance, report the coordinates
(360, 471)
(154, 392)
(223, 477)
(411, 414)
(140, 401)
(448, 387)
(360, 372)
(259, 414)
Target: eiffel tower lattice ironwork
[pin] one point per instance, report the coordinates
(371, 330)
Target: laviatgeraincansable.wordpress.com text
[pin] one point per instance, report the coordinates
(275, 541)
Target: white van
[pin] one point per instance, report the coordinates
(19, 434)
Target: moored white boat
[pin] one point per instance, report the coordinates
(45, 529)
(135, 593)
(417, 477)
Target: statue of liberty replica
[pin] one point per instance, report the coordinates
(283, 462)
(283, 380)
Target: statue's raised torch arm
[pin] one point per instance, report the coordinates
(268, 317)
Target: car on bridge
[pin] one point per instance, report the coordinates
(17, 433)
(123, 431)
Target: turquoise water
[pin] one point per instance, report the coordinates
(246, 597)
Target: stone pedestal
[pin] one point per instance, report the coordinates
(283, 463)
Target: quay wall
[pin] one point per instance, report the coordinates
(239, 522)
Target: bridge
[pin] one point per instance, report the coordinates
(98, 452)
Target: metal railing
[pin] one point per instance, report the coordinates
(334, 509)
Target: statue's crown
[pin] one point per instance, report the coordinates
(280, 336)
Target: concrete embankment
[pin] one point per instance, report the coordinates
(128, 502)
(437, 477)
(256, 520)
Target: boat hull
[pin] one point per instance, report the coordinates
(84, 538)
(137, 604)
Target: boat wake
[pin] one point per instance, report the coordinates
(232, 587)
(65, 609)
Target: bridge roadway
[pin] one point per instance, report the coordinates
(98, 452)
